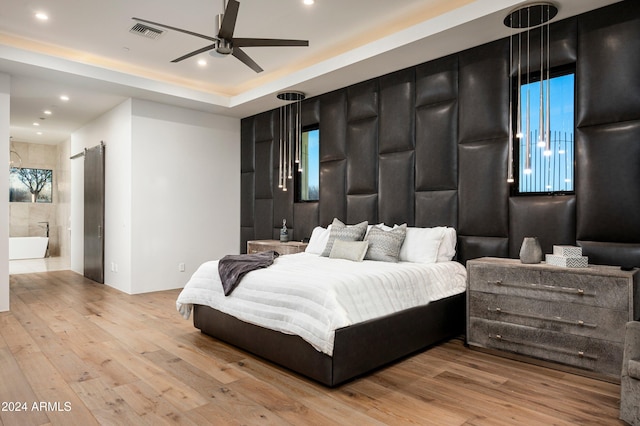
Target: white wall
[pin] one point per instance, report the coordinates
(186, 192)
(172, 193)
(63, 204)
(114, 129)
(5, 90)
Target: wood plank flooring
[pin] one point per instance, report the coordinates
(93, 355)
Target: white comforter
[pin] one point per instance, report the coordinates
(312, 296)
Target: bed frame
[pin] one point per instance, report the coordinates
(358, 349)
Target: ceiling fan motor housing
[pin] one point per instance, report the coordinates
(223, 46)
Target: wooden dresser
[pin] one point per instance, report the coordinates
(290, 247)
(572, 317)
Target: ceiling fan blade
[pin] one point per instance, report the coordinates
(228, 24)
(238, 53)
(253, 42)
(229, 20)
(176, 29)
(195, 52)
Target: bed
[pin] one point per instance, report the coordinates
(338, 322)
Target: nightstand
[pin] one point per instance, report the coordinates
(289, 247)
(567, 318)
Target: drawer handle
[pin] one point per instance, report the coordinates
(561, 320)
(579, 354)
(540, 287)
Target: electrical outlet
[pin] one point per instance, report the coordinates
(181, 267)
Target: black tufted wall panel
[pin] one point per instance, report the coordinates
(396, 111)
(264, 169)
(333, 126)
(484, 95)
(362, 207)
(483, 191)
(436, 168)
(362, 147)
(608, 170)
(247, 183)
(608, 134)
(436, 208)
(333, 196)
(306, 218)
(428, 146)
(396, 162)
(608, 65)
(551, 219)
(436, 147)
(396, 189)
(473, 247)
(333, 156)
(362, 101)
(483, 142)
(602, 253)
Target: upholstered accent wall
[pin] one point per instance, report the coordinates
(428, 146)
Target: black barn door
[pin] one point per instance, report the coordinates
(94, 213)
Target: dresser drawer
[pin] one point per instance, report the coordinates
(581, 320)
(590, 354)
(556, 285)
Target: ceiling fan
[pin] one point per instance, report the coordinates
(225, 43)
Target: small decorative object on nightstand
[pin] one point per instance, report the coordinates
(567, 257)
(530, 251)
(289, 247)
(284, 233)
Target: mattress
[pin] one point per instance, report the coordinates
(312, 296)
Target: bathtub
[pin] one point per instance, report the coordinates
(27, 247)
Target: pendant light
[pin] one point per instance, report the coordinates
(528, 17)
(290, 141)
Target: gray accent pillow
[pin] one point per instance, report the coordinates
(340, 231)
(385, 245)
(349, 250)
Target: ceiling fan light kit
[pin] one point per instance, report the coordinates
(224, 43)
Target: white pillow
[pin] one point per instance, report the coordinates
(421, 245)
(380, 225)
(349, 250)
(447, 249)
(318, 240)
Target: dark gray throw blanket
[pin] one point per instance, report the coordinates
(233, 267)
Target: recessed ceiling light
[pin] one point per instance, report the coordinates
(38, 133)
(308, 2)
(202, 62)
(42, 16)
(36, 124)
(64, 98)
(47, 112)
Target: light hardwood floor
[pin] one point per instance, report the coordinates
(98, 356)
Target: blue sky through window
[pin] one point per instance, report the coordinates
(549, 166)
(314, 158)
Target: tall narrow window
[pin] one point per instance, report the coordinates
(308, 178)
(546, 166)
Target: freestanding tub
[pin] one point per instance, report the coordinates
(27, 247)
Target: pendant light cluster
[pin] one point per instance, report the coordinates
(289, 146)
(528, 17)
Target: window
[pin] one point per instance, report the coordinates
(308, 178)
(30, 185)
(547, 167)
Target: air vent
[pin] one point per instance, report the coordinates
(145, 31)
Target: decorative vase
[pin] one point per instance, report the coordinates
(530, 251)
(284, 233)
